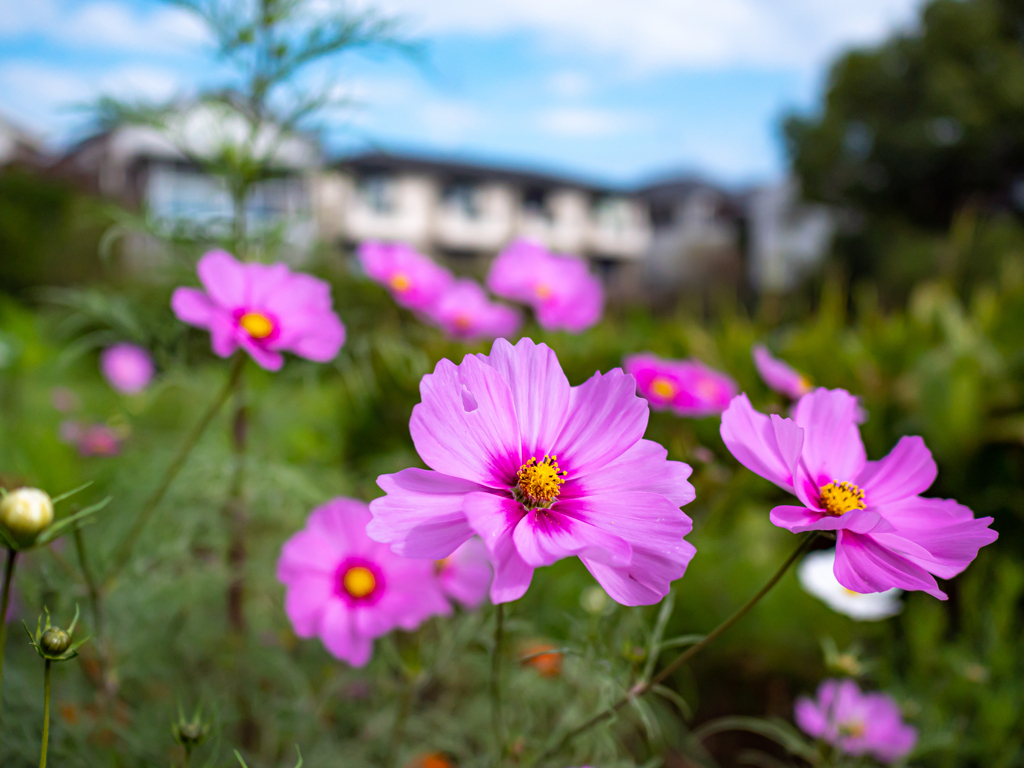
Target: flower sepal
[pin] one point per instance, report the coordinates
(53, 643)
(27, 517)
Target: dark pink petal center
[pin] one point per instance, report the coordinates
(359, 581)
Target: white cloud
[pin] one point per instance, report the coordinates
(587, 122)
(103, 24)
(570, 84)
(655, 34)
(45, 97)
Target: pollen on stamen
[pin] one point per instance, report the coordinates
(840, 498)
(539, 482)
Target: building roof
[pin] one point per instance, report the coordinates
(454, 168)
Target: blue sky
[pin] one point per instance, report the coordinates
(614, 90)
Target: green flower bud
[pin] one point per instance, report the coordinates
(55, 641)
(26, 512)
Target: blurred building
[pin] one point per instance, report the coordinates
(649, 243)
(697, 236)
(788, 238)
(164, 171)
(465, 213)
(18, 146)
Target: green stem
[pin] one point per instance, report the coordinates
(46, 714)
(124, 550)
(645, 686)
(497, 724)
(4, 601)
(90, 582)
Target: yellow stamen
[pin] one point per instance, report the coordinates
(664, 388)
(539, 482)
(400, 281)
(359, 581)
(542, 291)
(840, 498)
(463, 323)
(256, 325)
(855, 729)
(441, 565)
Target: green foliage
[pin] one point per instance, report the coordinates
(922, 135)
(48, 233)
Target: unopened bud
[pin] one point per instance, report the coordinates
(26, 512)
(55, 641)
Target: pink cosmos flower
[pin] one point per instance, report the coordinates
(465, 575)
(778, 375)
(561, 290)
(688, 387)
(540, 471)
(856, 723)
(464, 312)
(413, 279)
(887, 534)
(128, 368)
(347, 589)
(98, 440)
(262, 309)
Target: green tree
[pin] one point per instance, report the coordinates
(916, 131)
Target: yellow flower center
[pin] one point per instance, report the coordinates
(662, 387)
(400, 282)
(359, 581)
(542, 291)
(854, 729)
(463, 323)
(441, 565)
(539, 482)
(840, 498)
(256, 325)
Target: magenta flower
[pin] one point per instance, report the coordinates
(92, 440)
(347, 589)
(128, 368)
(887, 534)
(263, 309)
(413, 279)
(778, 375)
(540, 471)
(465, 575)
(561, 290)
(464, 312)
(687, 387)
(856, 723)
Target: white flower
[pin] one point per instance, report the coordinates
(26, 512)
(816, 577)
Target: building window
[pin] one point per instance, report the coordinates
(611, 213)
(378, 192)
(535, 201)
(663, 215)
(463, 198)
(186, 194)
(176, 193)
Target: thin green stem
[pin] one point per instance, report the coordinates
(124, 550)
(497, 723)
(90, 582)
(4, 602)
(644, 686)
(46, 714)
